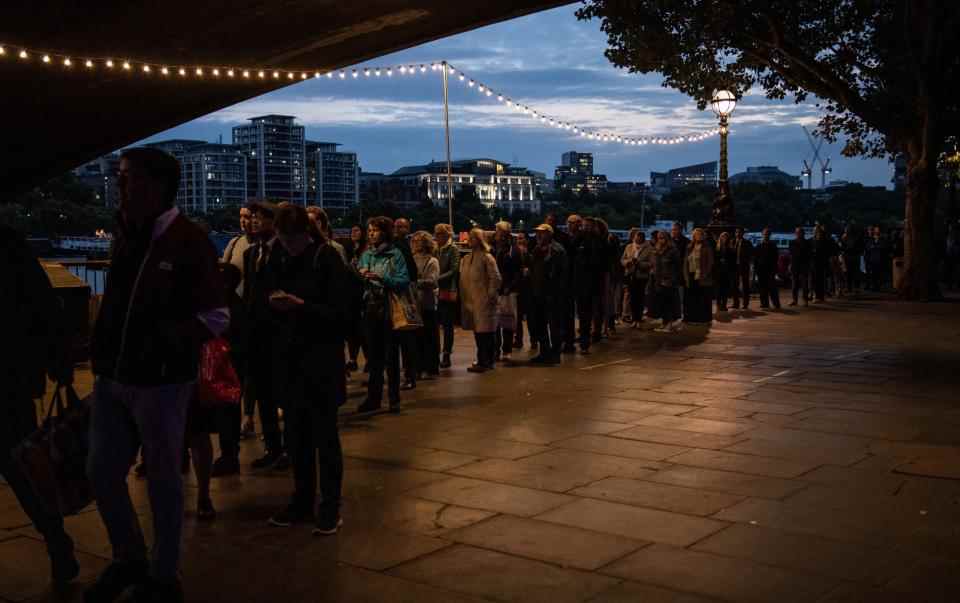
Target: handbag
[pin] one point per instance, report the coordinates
(507, 312)
(404, 311)
(54, 457)
(217, 383)
(448, 295)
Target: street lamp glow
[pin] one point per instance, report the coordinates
(723, 103)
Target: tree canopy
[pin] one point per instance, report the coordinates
(882, 72)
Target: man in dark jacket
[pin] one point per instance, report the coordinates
(312, 316)
(162, 300)
(877, 258)
(589, 267)
(766, 257)
(851, 246)
(800, 259)
(259, 281)
(744, 256)
(569, 300)
(680, 243)
(29, 306)
(408, 341)
(548, 281)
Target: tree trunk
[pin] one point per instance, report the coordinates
(919, 279)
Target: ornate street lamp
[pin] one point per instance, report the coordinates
(723, 104)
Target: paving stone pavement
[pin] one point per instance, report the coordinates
(808, 455)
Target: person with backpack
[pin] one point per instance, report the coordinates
(31, 308)
(310, 317)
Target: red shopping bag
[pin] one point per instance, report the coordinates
(218, 383)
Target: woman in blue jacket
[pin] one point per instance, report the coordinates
(385, 270)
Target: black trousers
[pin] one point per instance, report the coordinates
(356, 343)
(503, 341)
(852, 263)
(548, 320)
(17, 421)
(428, 343)
(446, 313)
(585, 305)
(820, 281)
(408, 346)
(569, 305)
(486, 344)
(263, 389)
(312, 431)
(768, 290)
(722, 289)
(523, 313)
(800, 282)
(228, 419)
(383, 347)
(638, 297)
(741, 288)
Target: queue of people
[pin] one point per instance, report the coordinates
(300, 311)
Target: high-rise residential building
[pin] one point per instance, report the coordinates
(100, 175)
(704, 174)
(497, 184)
(576, 174)
(332, 176)
(212, 176)
(766, 174)
(175, 146)
(276, 165)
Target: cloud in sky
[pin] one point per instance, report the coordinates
(550, 62)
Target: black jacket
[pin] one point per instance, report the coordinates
(148, 331)
(590, 262)
(548, 273)
(800, 255)
(307, 345)
(743, 250)
(766, 255)
(511, 269)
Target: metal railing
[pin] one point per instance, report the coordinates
(92, 272)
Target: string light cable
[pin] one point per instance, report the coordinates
(171, 71)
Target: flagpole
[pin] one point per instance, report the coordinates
(446, 127)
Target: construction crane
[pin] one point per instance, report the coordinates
(816, 144)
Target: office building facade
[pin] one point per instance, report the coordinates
(575, 173)
(274, 146)
(497, 184)
(702, 174)
(766, 174)
(332, 176)
(212, 176)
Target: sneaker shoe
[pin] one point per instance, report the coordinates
(328, 527)
(445, 361)
(205, 510)
(506, 357)
(290, 516)
(225, 466)
(265, 462)
(477, 368)
(154, 591)
(283, 463)
(408, 385)
(369, 406)
(115, 580)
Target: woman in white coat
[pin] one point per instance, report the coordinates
(479, 284)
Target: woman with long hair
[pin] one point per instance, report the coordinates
(448, 282)
(698, 278)
(665, 283)
(479, 283)
(428, 269)
(511, 271)
(637, 263)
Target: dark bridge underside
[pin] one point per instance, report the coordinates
(56, 121)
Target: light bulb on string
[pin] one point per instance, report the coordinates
(67, 62)
(46, 58)
(423, 68)
(146, 68)
(377, 72)
(355, 74)
(3, 51)
(389, 72)
(403, 69)
(164, 71)
(126, 65)
(366, 72)
(199, 72)
(216, 72)
(303, 76)
(261, 75)
(276, 75)
(183, 72)
(23, 54)
(343, 74)
(88, 64)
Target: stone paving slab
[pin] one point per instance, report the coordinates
(721, 577)
(503, 577)
(634, 522)
(658, 496)
(490, 496)
(563, 545)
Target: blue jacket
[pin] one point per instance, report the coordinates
(388, 262)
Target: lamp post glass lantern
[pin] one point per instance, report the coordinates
(723, 104)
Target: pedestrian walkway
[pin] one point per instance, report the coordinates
(808, 455)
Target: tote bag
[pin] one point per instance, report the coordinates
(404, 311)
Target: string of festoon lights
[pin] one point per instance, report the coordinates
(195, 73)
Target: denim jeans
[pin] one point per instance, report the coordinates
(123, 418)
